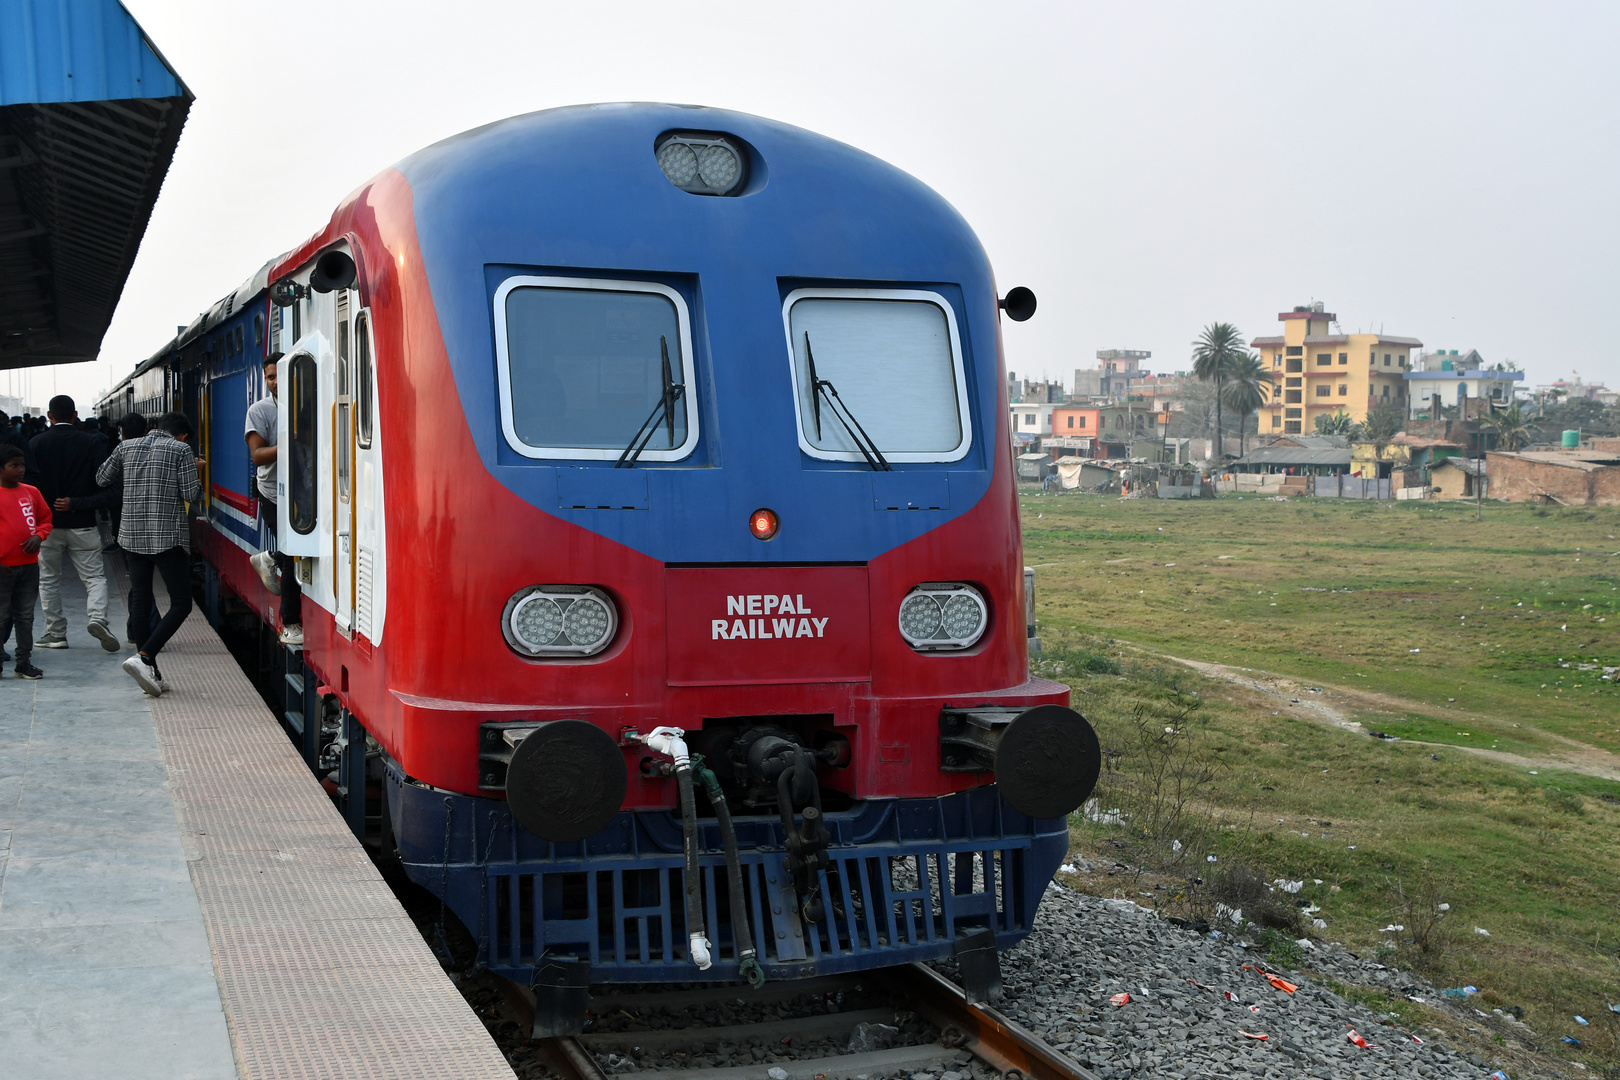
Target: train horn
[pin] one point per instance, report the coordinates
(333, 270)
(1046, 759)
(1019, 304)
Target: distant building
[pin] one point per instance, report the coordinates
(1029, 390)
(1117, 367)
(1087, 383)
(1049, 393)
(1074, 430)
(1570, 389)
(1320, 372)
(1570, 478)
(1456, 478)
(1031, 421)
(1444, 379)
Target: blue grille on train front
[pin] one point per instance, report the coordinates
(908, 878)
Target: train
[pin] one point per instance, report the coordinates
(648, 477)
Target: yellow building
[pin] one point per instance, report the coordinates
(1317, 372)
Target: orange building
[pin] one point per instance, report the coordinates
(1074, 429)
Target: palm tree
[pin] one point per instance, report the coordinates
(1383, 423)
(1339, 423)
(1511, 428)
(1214, 354)
(1248, 385)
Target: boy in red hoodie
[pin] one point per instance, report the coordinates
(25, 522)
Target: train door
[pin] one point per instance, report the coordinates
(327, 502)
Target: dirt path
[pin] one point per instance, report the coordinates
(1332, 705)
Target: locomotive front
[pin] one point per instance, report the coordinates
(705, 654)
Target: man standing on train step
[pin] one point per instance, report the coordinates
(159, 473)
(66, 458)
(261, 440)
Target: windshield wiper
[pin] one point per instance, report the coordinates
(820, 388)
(672, 392)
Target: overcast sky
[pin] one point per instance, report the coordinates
(1440, 171)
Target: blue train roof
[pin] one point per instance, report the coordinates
(578, 191)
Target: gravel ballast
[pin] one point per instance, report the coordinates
(1180, 1021)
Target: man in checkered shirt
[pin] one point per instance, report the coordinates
(159, 472)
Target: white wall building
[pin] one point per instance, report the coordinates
(1031, 421)
(1447, 379)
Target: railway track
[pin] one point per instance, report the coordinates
(954, 1035)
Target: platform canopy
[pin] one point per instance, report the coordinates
(90, 114)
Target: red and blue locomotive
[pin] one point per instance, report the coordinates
(648, 476)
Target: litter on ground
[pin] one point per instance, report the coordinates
(1119, 999)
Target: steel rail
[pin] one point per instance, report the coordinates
(983, 1031)
(986, 1032)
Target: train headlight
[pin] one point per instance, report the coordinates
(702, 163)
(919, 617)
(941, 616)
(559, 620)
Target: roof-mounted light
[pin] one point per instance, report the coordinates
(702, 163)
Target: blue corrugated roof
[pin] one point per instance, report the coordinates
(78, 50)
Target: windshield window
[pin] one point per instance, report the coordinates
(581, 366)
(893, 359)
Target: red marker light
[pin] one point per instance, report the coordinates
(763, 524)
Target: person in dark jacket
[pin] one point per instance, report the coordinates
(66, 458)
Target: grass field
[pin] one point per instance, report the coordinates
(1479, 644)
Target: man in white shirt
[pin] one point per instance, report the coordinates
(261, 439)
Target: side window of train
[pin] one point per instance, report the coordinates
(303, 398)
(587, 367)
(884, 361)
(364, 377)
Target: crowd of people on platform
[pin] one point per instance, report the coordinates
(58, 474)
(63, 480)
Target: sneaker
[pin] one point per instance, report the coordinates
(265, 567)
(5, 657)
(28, 671)
(292, 635)
(100, 632)
(144, 672)
(51, 641)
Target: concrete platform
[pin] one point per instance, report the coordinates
(180, 899)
